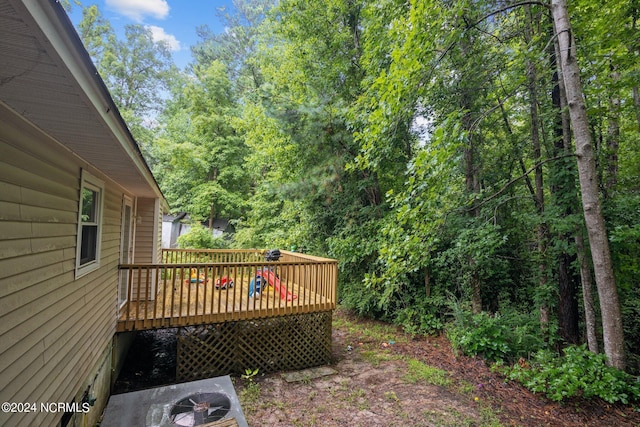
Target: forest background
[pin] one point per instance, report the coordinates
(473, 165)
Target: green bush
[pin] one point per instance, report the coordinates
(421, 317)
(494, 337)
(482, 335)
(419, 320)
(198, 237)
(578, 373)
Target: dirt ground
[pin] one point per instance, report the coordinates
(385, 378)
(382, 377)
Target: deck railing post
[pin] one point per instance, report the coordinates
(129, 295)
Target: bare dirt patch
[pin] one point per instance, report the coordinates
(383, 378)
(386, 378)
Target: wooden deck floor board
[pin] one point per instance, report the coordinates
(186, 302)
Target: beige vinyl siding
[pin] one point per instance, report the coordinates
(145, 239)
(158, 232)
(145, 246)
(54, 329)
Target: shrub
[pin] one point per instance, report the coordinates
(421, 317)
(483, 335)
(578, 373)
(199, 237)
(494, 337)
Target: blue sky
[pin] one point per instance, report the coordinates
(172, 20)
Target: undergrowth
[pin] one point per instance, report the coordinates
(577, 373)
(495, 337)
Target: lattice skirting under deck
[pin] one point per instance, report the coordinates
(273, 344)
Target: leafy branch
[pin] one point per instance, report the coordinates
(516, 179)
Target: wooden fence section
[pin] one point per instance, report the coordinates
(193, 287)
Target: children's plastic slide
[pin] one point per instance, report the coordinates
(268, 277)
(274, 281)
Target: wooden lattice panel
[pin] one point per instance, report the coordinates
(271, 344)
(204, 351)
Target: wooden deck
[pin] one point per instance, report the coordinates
(182, 294)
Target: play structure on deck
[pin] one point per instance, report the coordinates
(235, 309)
(266, 278)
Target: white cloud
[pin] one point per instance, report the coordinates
(138, 9)
(158, 34)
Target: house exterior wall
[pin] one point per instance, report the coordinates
(56, 331)
(157, 231)
(146, 225)
(148, 238)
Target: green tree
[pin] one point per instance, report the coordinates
(426, 144)
(308, 57)
(136, 69)
(201, 154)
(236, 45)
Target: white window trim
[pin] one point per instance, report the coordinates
(126, 256)
(95, 184)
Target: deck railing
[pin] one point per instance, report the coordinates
(192, 287)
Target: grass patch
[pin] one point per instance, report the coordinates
(488, 418)
(358, 398)
(465, 387)
(392, 396)
(420, 372)
(375, 357)
(370, 331)
(454, 418)
(382, 333)
(249, 397)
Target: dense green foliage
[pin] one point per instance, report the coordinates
(577, 373)
(424, 144)
(199, 237)
(500, 338)
(199, 151)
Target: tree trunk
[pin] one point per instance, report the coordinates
(543, 230)
(427, 283)
(636, 104)
(567, 304)
(472, 181)
(212, 210)
(605, 282)
(635, 48)
(613, 137)
(587, 294)
(568, 317)
(563, 188)
(212, 216)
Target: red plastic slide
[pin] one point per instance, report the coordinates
(274, 281)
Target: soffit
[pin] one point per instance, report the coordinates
(52, 93)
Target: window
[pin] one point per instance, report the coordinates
(89, 224)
